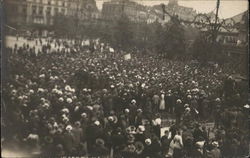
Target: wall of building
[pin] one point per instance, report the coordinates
(44, 12)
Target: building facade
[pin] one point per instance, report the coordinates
(173, 8)
(135, 12)
(44, 12)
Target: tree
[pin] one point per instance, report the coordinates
(169, 40)
(122, 33)
(156, 37)
(61, 25)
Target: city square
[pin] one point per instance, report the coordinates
(124, 81)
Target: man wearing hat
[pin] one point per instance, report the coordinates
(68, 141)
(93, 131)
(217, 112)
(99, 149)
(215, 152)
(118, 139)
(132, 111)
(178, 110)
(165, 141)
(48, 147)
(138, 118)
(77, 133)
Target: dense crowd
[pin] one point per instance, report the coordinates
(76, 99)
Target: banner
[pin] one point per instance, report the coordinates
(127, 56)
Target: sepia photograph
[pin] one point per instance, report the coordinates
(125, 79)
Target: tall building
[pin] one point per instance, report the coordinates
(114, 9)
(43, 12)
(173, 8)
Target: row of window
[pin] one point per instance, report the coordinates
(56, 2)
(39, 10)
(41, 21)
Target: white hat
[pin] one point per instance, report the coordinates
(215, 143)
(61, 99)
(179, 101)
(85, 89)
(67, 88)
(186, 105)
(158, 121)
(69, 128)
(40, 90)
(55, 124)
(148, 141)
(133, 101)
(110, 118)
(112, 86)
(42, 99)
(45, 105)
(217, 99)
(41, 76)
(189, 96)
(141, 128)
(59, 92)
(72, 90)
(65, 110)
(187, 109)
(76, 108)
(200, 144)
(246, 106)
(13, 92)
(51, 77)
(65, 119)
(64, 116)
(69, 100)
(90, 108)
(139, 110)
(54, 90)
(143, 85)
(31, 91)
(84, 114)
(126, 110)
(97, 123)
(104, 90)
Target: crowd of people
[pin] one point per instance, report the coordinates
(76, 99)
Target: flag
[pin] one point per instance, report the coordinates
(127, 56)
(111, 50)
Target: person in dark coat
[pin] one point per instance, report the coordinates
(99, 149)
(118, 139)
(197, 134)
(165, 142)
(77, 133)
(93, 132)
(68, 141)
(215, 152)
(138, 118)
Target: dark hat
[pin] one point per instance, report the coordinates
(48, 139)
(139, 147)
(99, 141)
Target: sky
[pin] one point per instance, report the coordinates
(228, 8)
